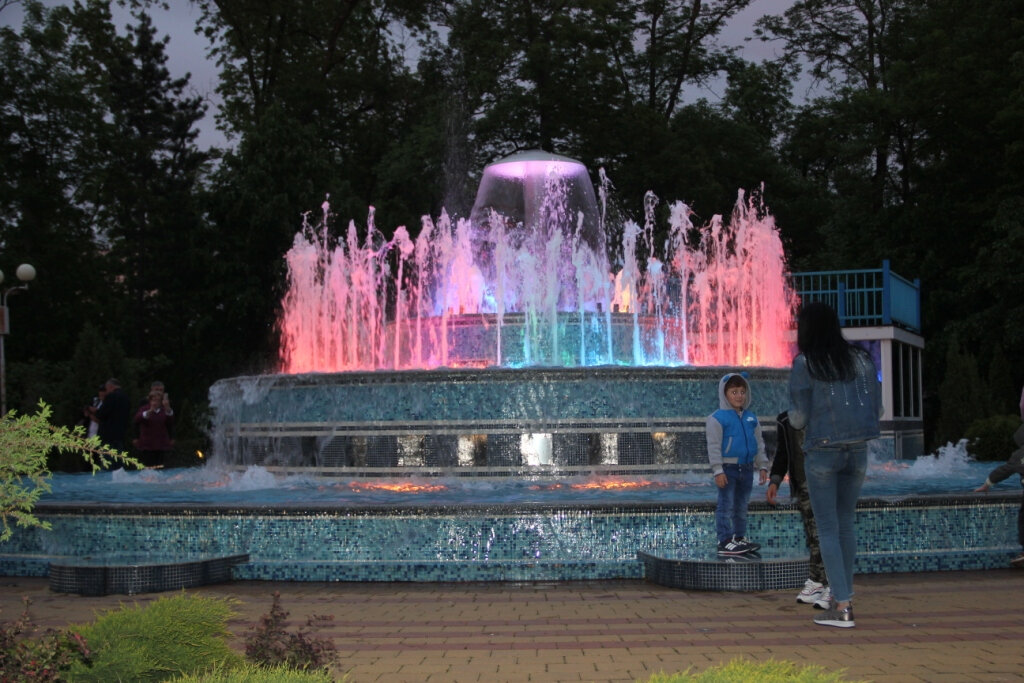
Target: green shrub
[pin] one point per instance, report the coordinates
(183, 634)
(743, 671)
(254, 673)
(991, 438)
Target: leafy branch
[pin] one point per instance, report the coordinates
(26, 442)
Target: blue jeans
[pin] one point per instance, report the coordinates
(834, 479)
(731, 511)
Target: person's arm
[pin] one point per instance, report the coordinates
(1014, 465)
(799, 394)
(780, 463)
(713, 432)
(761, 457)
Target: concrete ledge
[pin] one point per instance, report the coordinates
(107, 575)
(935, 560)
(712, 572)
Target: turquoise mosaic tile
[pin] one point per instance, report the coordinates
(505, 542)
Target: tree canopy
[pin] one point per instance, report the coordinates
(166, 258)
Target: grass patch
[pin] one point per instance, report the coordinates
(745, 671)
(255, 673)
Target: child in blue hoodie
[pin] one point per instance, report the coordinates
(735, 450)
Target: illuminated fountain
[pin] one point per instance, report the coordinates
(526, 281)
(516, 337)
(504, 397)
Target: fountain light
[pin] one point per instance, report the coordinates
(397, 487)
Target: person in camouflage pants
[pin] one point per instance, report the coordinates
(789, 459)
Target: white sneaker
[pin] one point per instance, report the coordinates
(811, 592)
(825, 600)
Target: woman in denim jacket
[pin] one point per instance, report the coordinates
(836, 398)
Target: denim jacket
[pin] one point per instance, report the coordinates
(835, 413)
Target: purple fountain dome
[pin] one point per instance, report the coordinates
(539, 201)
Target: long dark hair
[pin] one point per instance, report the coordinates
(820, 338)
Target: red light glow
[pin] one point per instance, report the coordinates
(604, 485)
(404, 487)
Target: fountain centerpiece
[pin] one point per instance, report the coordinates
(462, 344)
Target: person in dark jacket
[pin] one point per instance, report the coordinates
(114, 415)
(789, 459)
(1015, 465)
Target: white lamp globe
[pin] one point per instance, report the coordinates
(25, 272)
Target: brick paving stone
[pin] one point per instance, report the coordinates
(910, 627)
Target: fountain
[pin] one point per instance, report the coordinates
(512, 396)
(511, 339)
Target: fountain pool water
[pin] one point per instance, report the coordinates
(950, 471)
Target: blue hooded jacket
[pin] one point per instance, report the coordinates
(734, 437)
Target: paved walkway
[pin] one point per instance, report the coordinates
(945, 626)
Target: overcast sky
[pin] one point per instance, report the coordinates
(186, 52)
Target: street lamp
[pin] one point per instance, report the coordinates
(26, 273)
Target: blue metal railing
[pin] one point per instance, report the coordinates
(865, 297)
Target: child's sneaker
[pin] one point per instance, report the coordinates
(811, 592)
(833, 616)
(733, 546)
(752, 547)
(824, 600)
(1018, 561)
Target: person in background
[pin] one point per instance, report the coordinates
(735, 449)
(1014, 465)
(155, 385)
(789, 459)
(836, 398)
(113, 415)
(154, 421)
(92, 423)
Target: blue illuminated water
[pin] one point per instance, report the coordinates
(949, 471)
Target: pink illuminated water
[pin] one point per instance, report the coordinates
(528, 282)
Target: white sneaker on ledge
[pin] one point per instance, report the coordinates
(811, 592)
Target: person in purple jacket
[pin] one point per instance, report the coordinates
(154, 421)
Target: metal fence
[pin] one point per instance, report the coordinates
(865, 297)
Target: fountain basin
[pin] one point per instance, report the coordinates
(520, 542)
(414, 419)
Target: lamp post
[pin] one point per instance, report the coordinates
(26, 273)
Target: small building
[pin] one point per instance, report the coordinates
(881, 311)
